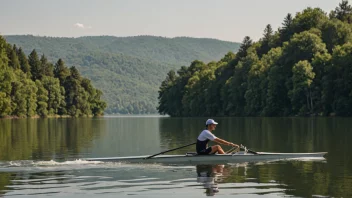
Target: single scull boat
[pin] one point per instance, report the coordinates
(193, 158)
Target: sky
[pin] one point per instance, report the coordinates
(229, 20)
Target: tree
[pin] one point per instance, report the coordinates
(12, 57)
(196, 91)
(19, 94)
(56, 98)
(30, 97)
(23, 62)
(266, 41)
(164, 91)
(228, 57)
(47, 69)
(257, 81)
(61, 71)
(343, 12)
(335, 32)
(341, 81)
(308, 19)
(76, 97)
(42, 99)
(287, 30)
(245, 45)
(35, 65)
(237, 85)
(96, 104)
(320, 64)
(300, 95)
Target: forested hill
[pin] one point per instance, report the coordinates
(303, 68)
(34, 86)
(128, 70)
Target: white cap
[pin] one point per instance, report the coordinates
(210, 121)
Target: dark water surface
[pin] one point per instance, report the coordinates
(43, 158)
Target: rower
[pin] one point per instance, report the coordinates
(206, 135)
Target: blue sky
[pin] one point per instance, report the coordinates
(229, 20)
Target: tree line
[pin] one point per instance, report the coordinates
(32, 86)
(303, 68)
(128, 70)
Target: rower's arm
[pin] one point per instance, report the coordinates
(221, 141)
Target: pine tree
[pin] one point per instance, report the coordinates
(343, 12)
(47, 69)
(286, 31)
(35, 65)
(61, 71)
(12, 56)
(265, 41)
(23, 62)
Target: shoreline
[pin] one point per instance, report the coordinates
(37, 117)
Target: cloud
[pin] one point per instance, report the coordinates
(82, 26)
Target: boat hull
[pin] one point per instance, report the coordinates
(226, 158)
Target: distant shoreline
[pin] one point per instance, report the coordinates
(37, 117)
(135, 115)
(68, 116)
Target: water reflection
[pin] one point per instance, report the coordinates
(299, 179)
(128, 136)
(46, 139)
(208, 175)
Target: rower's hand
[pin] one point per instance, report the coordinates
(234, 145)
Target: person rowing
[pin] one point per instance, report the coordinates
(206, 135)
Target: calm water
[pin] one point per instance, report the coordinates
(42, 157)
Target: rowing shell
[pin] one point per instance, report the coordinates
(238, 157)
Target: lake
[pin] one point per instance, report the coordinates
(43, 158)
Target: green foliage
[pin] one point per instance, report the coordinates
(30, 97)
(266, 41)
(301, 97)
(22, 97)
(61, 71)
(23, 62)
(257, 92)
(308, 19)
(55, 95)
(343, 12)
(35, 65)
(127, 70)
(236, 86)
(19, 95)
(335, 32)
(302, 69)
(5, 79)
(342, 80)
(287, 29)
(76, 96)
(12, 57)
(42, 99)
(47, 69)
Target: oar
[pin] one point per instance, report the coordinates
(170, 150)
(233, 149)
